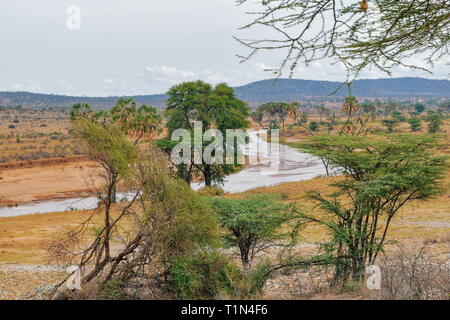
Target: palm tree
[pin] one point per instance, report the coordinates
(81, 111)
(123, 113)
(145, 124)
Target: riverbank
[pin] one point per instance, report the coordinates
(50, 182)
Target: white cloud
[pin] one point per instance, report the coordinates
(265, 68)
(170, 72)
(172, 75)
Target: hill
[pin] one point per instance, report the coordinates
(260, 91)
(293, 89)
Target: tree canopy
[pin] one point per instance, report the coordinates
(215, 108)
(358, 34)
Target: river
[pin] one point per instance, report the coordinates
(273, 164)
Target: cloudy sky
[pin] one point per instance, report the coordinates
(127, 47)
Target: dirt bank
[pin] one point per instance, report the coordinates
(51, 181)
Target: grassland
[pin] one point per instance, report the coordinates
(24, 240)
(35, 134)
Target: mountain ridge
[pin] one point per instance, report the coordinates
(261, 91)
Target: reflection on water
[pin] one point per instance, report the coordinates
(275, 164)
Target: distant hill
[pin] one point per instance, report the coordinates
(258, 92)
(293, 89)
(38, 100)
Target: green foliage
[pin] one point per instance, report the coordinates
(258, 117)
(434, 122)
(212, 276)
(382, 175)
(215, 108)
(202, 276)
(354, 286)
(390, 124)
(314, 126)
(382, 34)
(211, 192)
(419, 107)
(133, 120)
(189, 222)
(252, 224)
(136, 122)
(81, 110)
(398, 116)
(276, 112)
(112, 290)
(109, 146)
(415, 123)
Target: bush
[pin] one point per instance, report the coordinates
(213, 276)
(415, 275)
(252, 224)
(415, 123)
(203, 276)
(112, 290)
(434, 123)
(398, 116)
(314, 126)
(390, 124)
(211, 191)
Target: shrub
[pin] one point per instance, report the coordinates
(398, 116)
(434, 123)
(314, 126)
(211, 191)
(415, 275)
(213, 276)
(415, 123)
(112, 290)
(202, 276)
(390, 124)
(252, 224)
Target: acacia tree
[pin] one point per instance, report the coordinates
(390, 124)
(358, 34)
(215, 108)
(415, 123)
(434, 122)
(252, 224)
(322, 111)
(381, 176)
(138, 240)
(277, 112)
(258, 117)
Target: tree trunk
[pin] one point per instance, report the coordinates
(207, 175)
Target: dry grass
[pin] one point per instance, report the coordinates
(37, 134)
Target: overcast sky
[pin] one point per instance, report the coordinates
(127, 47)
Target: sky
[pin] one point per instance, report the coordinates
(130, 47)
